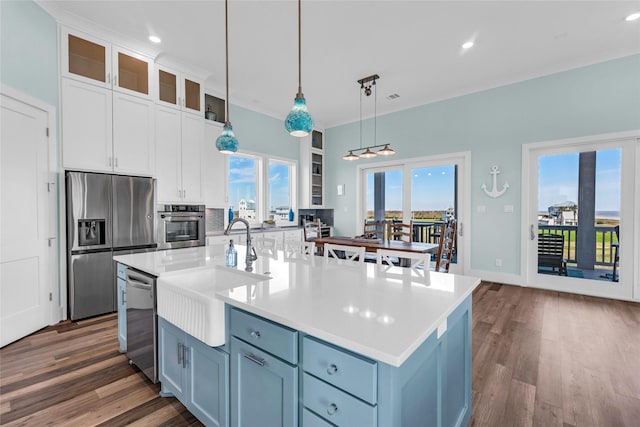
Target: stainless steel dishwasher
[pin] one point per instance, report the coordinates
(142, 322)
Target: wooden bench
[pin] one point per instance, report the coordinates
(551, 252)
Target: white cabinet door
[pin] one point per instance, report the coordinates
(86, 126)
(133, 143)
(168, 87)
(214, 168)
(85, 58)
(192, 140)
(192, 95)
(133, 73)
(168, 154)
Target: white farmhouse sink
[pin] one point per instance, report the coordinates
(188, 300)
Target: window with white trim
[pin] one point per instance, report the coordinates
(261, 187)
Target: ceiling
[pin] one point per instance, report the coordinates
(415, 46)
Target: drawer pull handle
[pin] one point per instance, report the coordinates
(254, 359)
(332, 369)
(332, 409)
(255, 334)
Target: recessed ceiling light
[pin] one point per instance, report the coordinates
(632, 17)
(467, 45)
(155, 39)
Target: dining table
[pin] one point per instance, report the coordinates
(372, 245)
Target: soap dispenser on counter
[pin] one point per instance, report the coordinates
(231, 255)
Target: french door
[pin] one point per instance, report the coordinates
(426, 191)
(579, 219)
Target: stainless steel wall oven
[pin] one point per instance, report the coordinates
(180, 226)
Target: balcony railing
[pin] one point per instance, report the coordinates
(605, 236)
(427, 232)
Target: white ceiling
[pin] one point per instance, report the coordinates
(415, 46)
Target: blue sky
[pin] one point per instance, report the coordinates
(278, 185)
(242, 182)
(431, 189)
(558, 180)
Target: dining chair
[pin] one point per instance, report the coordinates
(293, 248)
(265, 244)
(351, 253)
(311, 229)
(445, 247)
(417, 260)
(373, 229)
(400, 231)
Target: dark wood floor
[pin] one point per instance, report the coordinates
(539, 358)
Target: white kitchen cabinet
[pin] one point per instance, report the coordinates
(106, 131)
(95, 61)
(179, 139)
(312, 170)
(86, 126)
(133, 135)
(214, 168)
(132, 73)
(107, 106)
(179, 90)
(85, 58)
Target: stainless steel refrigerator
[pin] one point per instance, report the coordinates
(107, 215)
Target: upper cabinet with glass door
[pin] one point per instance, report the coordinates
(177, 90)
(98, 62)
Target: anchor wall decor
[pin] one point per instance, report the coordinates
(494, 191)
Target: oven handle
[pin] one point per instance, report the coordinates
(180, 218)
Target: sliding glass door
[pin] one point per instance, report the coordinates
(425, 192)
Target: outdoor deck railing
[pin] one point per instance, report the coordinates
(605, 236)
(429, 232)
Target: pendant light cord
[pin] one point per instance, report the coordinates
(361, 118)
(226, 54)
(375, 114)
(299, 49)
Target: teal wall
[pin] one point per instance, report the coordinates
(28, 50)
(263, 134)
(493, 125)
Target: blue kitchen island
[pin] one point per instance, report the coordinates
(312, 342)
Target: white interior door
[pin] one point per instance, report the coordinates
(552, 204)
(27, 219)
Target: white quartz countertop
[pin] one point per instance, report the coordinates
(171, 261)
(384, 313)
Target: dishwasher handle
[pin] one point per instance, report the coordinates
(139, 281)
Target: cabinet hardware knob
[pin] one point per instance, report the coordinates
(255, 334)
(332, 369)
(332, 409)
(254, 359)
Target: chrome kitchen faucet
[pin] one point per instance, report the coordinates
(251, 252)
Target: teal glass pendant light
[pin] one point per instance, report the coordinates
(299, 122)
(227, 142)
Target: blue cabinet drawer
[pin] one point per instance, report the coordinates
(276, 339)
(352, 373)
(309, 419)
(122, 271)
(335, 405)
